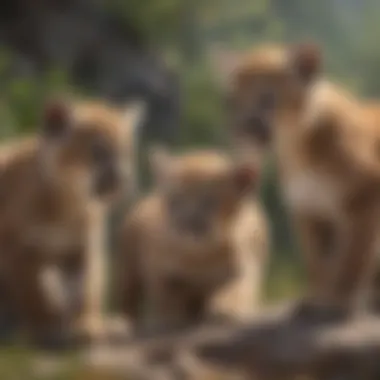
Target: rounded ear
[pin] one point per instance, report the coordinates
(245, 177)
(306, 61)
(57, 119)
(160, 161)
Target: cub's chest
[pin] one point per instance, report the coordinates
(196, 265)
(311, 192)
(58, 237)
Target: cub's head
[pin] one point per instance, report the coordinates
(263, 81)
(89, 146)
(201, 189)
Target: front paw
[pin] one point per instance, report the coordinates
(308, 311)
(90, 329)
(117, 329)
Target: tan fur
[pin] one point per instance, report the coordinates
(183, 277)
(9, 149)
(52, 216)
(372, 109)
(327, 147)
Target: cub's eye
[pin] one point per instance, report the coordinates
(175, 201)
(267, 100)
(208, 203)
(101, 151)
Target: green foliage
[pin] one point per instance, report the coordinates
(240, 22)
(285, 279)
(156, 20)
(19, 363)
(184, 30)
(202, 111)
(22, 97)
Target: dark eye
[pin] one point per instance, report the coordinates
(174, 202)
(101, 151)
(267, 100)
(208, 203)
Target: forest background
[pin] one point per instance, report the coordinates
(159, 49)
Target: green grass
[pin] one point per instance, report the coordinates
(285, 280)
(20, 363)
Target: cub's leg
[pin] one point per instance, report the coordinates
(316, 238)
(128, 290)
(130, 293)
(38, 296)
(239, 298)
(234, 302)
(354, 269)
(171, 303)
(90, 324)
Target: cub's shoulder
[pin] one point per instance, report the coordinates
(16, 149)
(372, 111)
(17, 167)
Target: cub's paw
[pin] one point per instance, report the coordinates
(117, 329)
(90, 330)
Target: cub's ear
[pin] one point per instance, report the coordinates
(57, 119)
(245, 176)
(224, 63)
(306, 61)
(160, 161)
